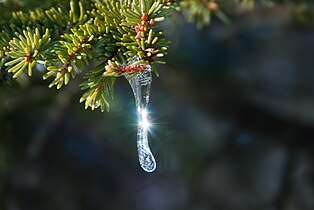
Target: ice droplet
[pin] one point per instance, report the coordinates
(140, 83)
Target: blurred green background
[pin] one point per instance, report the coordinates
(233, 114)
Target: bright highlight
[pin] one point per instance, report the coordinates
(143, 122)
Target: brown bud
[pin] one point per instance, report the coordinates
(28, 59)
(212, 6)
(144, 17)
(138, 35)
(137, 29)
(151, 22)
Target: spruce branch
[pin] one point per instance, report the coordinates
(71, 52)
(99, 89)
(25, 50)
(200, 11)
(97, 38)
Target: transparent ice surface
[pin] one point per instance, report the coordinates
(140, 84)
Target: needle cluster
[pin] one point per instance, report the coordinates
(96, 38)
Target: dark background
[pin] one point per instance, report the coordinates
(233, 114)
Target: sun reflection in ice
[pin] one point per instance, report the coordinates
(144, 122)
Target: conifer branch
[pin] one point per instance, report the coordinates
(107, 34)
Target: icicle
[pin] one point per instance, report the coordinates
(140, 83)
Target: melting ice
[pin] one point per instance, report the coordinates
(140, 83)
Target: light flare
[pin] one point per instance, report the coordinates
(144, 122)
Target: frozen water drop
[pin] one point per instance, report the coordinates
(140, 84)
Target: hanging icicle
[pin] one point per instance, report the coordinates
(140, 83)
